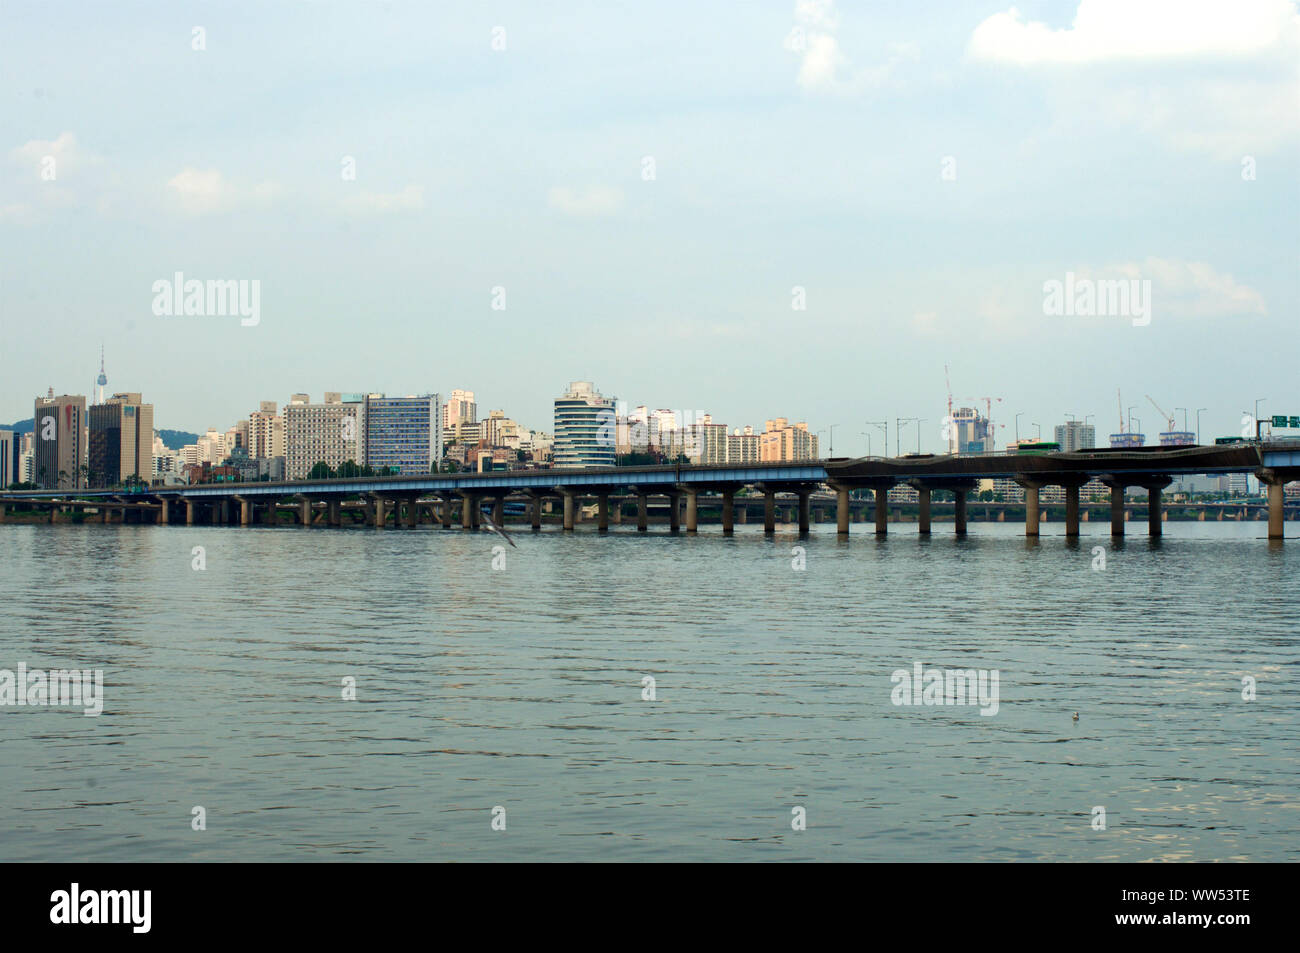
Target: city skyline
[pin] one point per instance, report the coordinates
(932, 437)
(854, 197)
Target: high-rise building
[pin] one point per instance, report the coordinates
(781, 440)
(498, 430)
(742, 446)
(328, 433)
(1076, 435)
(10, 458)
(970, 432)
(121, 441)
(265, 432)
(460, 408)
(584, 428)
(401, 434)
(59, 441)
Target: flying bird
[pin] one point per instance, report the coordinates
(497, 529)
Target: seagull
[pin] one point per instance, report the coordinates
(497, 529)
(1076, 716)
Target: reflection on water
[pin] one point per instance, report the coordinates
(523, 688)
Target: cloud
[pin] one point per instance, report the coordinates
(823, 66)
(67, 153)
(1194, 289)
(205, 191)
(1109, 30)
(409, 199)
(594, 200)
(1142, 64)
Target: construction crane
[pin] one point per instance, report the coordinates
(948, 381)
(1119, 399)
(1160, 410)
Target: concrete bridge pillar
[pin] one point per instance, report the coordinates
(923, 510)
(728, 511)
(769, 512)
(499, 510)
(570, 504)
(1117, 509)
(959, 511)
(1276, 502)
(468, 505)
(642, 517)
(535, 512)
(334, 512)
(189, 512)
(379, 513)
(1154, 523)
(163, 512)
(445, 511)
(602, 512)
(842, 510)
(674, 512)
(1071, 510)
(803, 511)
(412, 513)
(882, 510)
(304, 511)
(1031, 509)
(692, 511)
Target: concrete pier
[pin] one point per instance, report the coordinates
(1032, 519)
(642, 521)
(959, 511)
(769, 511)
(1072, 509)
(1276, 499)
(602, 512)
(692, 511)
(803, 512)
(842, 510)
(728, 511)
(1116, 510)
(882, 510)
(923, 510)
(570, 503)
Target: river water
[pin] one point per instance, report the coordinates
(522, 688)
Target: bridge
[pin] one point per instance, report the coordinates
(460, 497)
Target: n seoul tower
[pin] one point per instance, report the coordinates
(102, 381)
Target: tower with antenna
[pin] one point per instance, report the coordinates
(102, 380)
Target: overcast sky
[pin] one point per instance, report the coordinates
(919, 169)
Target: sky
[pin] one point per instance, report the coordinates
(771, 209)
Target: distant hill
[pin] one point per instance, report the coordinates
(175, 439)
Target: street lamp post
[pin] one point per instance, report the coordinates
(898, 431)
(884, 428)
(919, 421)
(1184, 410)
(1198, 424)
(1018, 416)
(1130, 419)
